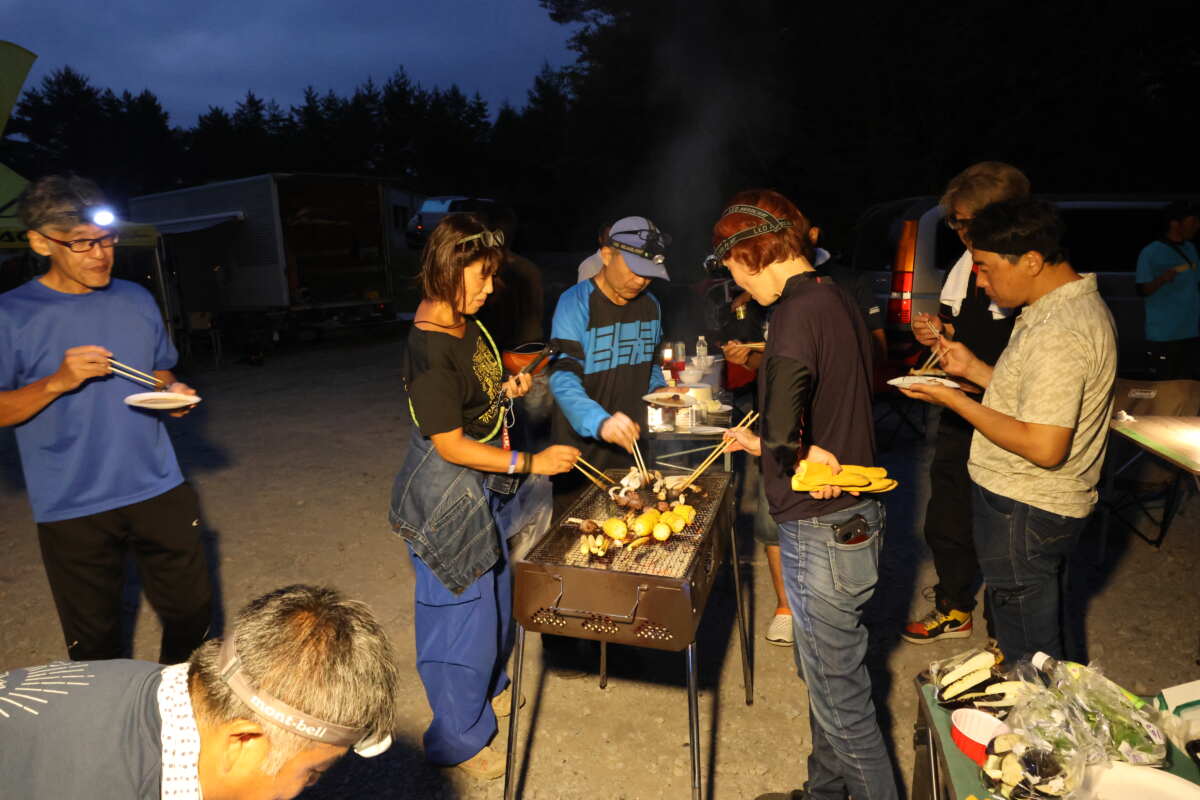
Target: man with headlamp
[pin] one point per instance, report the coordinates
(607, 331)
(814, 389)
(1041, 429)
(303, 676)
(102, 476)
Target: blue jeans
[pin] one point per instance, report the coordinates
(1023, 554)
(827, 585)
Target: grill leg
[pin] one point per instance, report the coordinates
(743, 638)
(603, 665)
(693, 719)
(516, 711)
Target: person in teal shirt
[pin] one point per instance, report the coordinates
(1169, 278)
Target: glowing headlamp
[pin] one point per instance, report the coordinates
(292, 719)
(100, 215)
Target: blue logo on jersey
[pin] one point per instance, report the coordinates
(621, 345)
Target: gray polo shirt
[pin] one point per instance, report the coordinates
(1058, 369)
(81, 730)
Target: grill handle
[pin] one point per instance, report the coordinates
(558, 608)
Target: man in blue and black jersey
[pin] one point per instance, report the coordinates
(607, 331)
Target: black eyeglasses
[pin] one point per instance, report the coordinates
(84, 245)
(957, 223)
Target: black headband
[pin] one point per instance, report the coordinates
(490, 238)
(770, 224)
(1009, 244)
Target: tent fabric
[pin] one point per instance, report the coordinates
(189, 224)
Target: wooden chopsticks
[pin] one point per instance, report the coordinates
(717, 451)
(640, 462)
(599, 482)
(129, 373)
(933, 355)
(755, 345)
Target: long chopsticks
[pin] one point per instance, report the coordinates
(755, 345)
(600, 483)
(592, 478)
(933, 355)
(717, 451)
(128, 372)
(640, 462)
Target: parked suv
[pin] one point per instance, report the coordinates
(434, 208)
(906, 248)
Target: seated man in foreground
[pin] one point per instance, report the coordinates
(302, 676)
(1042, 427)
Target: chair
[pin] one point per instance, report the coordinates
(200, 326)
(1138, 482)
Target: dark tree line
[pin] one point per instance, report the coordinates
(672, 105)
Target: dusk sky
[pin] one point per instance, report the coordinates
(210, 53)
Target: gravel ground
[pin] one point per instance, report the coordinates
(294, 462)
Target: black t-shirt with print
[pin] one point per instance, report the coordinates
(453, 382)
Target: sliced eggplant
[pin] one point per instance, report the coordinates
(955, 669)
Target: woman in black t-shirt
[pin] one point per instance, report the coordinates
(447, 495)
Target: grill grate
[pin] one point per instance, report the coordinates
(670, 559)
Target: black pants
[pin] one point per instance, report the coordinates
(84, 556)
(948, 517)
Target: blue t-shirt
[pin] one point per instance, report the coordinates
(87, 451)
(1173, 312)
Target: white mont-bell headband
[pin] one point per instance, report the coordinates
(290, 719)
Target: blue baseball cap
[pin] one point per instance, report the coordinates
(643, 246)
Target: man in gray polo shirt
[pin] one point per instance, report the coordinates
(303, 676)
(1042, 426)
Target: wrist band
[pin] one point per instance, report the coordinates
(527, 463)
(512, 462)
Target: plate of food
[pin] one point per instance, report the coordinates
(914, 380)
(670, 399)
(162, 401)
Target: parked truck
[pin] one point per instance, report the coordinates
(293, 252)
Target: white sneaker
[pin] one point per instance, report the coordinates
(780, 630)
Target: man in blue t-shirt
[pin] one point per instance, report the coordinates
(102, 475)
(1167, 276)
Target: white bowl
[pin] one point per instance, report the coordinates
(691, 375)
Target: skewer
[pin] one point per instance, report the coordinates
(717, 451)
(598, 473)
(127, 368)
(591, 478)
(153, 383)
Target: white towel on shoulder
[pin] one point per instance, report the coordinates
(955, 288)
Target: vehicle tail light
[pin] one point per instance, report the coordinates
(900, 300)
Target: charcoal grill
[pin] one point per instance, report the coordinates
(652, 596)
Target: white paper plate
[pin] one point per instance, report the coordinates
(905, 381)
(667, 399)
(161, 401)
(708, 430)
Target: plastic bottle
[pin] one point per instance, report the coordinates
(701, 348)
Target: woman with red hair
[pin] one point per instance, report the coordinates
(814, 389)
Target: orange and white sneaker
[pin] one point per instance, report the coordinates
(935, 625)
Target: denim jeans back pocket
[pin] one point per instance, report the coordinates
(1051, 534)
(855, 567)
